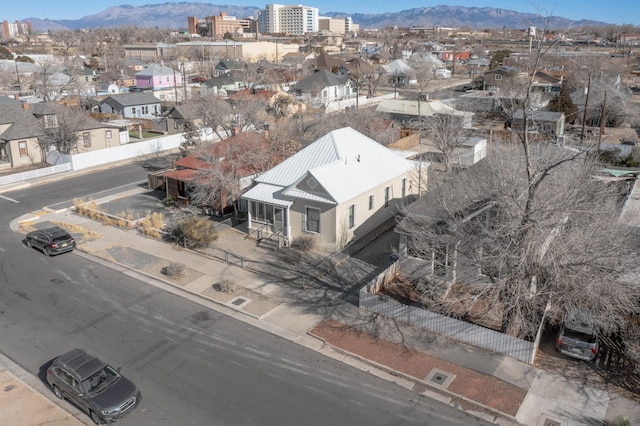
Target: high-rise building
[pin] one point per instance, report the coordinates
(217, 26)
(292, 19)
(14, 29)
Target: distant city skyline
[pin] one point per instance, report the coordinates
(626, 12)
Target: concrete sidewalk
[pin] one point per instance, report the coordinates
(494, 387)
(23, 401)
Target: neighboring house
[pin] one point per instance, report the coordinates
(220, 85)
(548, 124)
(105, 89)
(189, 170)
(157, 77)
(405, 112)
(503, 78)
(132, 105)
(546, 83)
(91, 134)
(174, 119)
(226, 66)
(469, 152)
(336, 190)
(23, 133)
(398, 72)
(323, 87)
(19, 136)
(324, 61)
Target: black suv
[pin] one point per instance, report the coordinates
(50, 241)
(92, 385)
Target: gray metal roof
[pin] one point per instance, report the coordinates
(131, 99)
(344, 163)
(155, 70)
(320, 79)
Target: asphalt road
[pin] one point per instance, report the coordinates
(194, 365)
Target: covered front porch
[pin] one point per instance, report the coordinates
(268, 217)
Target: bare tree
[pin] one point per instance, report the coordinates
(558, 250)
(63, 132)
(444, 133)
(532, 231)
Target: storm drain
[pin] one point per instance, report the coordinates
(440, 378)
(239, 302)
(550, 422)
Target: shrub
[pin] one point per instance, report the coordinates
(304, 243)
(152, 224)
(224, 286)
(174, 270)
(170, 201)
(194, 232)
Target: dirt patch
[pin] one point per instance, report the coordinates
(258, 304)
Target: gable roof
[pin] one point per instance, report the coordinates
(397, 67)
(22, 123)
(327, 62)
(155, 70)
(320, 78)
(343, 155)
(131, 99)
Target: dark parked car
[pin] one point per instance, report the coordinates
(50, 241)
(92, 385)
(577, 340)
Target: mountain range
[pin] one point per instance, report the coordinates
(174, 16)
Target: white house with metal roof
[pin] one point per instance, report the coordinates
(335, 190)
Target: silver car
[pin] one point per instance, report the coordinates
(577, 340)
(92, 385)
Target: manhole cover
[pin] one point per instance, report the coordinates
(238, 301)
(439, 378)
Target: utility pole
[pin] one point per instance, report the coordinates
(586, 102)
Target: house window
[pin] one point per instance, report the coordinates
(22, 147)
(133, 111)
(312, 223)
(404, 187)
(86, 139)
(352, 216)
(498, 76)
(50, 121)
(145, 110)
(387, 193)
(107, 134)
(370, 202)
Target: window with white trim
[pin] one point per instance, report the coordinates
(387, 194)
(404, 187)
(86, 139)
(312, 222)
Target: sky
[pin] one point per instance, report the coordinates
(613, 12)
